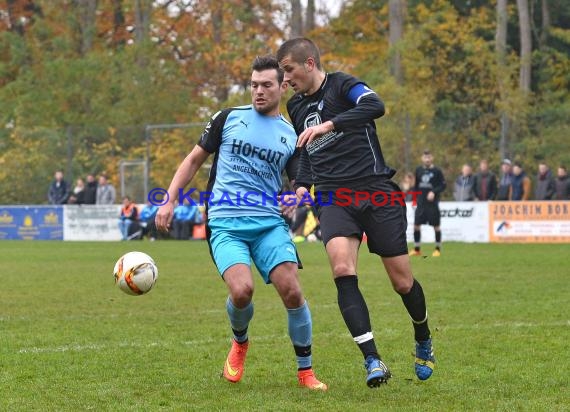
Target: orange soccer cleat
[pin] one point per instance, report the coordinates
(235, 362)
(308, 379)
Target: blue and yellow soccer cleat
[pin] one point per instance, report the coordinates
(425, 360)
(378, 373)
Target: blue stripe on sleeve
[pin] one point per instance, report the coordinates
(358, 91)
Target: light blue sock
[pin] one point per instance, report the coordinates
(301, 332)
(239, 319)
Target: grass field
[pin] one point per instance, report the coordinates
(70, 340)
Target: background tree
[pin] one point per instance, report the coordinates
(526, 45)
(502, 74)
(296, 18)
(80, 80)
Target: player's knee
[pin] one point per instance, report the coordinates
(292, 296)
(403, 286)
(343, 269)
(241, 295)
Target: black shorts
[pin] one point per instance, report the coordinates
(427, 214)
(382, 217)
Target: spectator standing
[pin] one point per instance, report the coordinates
(545, 185)
(463, 190)
(520, 185)
(78, 195)
(562, 184)
(105, 192)
(91, 190)
(506, 180)
(58, 190)
(485, 183)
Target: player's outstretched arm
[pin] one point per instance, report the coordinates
(184, 175)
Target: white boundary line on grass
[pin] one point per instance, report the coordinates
(264, 338)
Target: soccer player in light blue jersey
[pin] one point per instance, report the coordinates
(252, 146)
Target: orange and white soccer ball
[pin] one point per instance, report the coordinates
(135, 273)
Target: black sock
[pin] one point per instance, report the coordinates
(355, 313)
(415, 303)
(239, 333)
(438, 239)
(417, 239)
(303, 351)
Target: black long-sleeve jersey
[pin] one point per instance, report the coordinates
(352, 150)
(429, 179)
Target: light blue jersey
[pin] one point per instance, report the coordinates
(251, 152)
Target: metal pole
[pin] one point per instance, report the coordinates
(148, 135)
(147, 163)
(69, 134)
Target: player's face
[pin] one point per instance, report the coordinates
(297, 75)
(427, 160)
(266, 92)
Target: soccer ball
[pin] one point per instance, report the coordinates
(135, 273)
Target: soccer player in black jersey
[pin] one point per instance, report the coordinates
(430, 182)
(333, 114)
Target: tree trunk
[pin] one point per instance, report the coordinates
(143, 10)
(545, 25)
(119, 29)
(407, 142)
(220, 89)
(396, 19)
(86, 12)
(396, 30)
(296, 19)
(310, 19)
(526, 45)
(501, 46)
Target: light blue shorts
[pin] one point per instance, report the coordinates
(263, 239)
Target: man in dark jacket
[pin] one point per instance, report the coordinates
(520, 185)
(545, 186)
(485, 183)
(58, 190)
(562, 184)
(91, 190)
(506, 180)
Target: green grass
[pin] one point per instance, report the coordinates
(70, 340)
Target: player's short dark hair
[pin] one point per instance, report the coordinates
(300, 49)
(268, 62)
